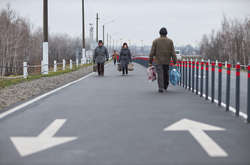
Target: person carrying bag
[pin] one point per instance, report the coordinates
(125, 58)
(100, 56)
(163, 50)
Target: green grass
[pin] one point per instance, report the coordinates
(9, 82)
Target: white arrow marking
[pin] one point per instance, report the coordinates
(30, 145)
(197, 129)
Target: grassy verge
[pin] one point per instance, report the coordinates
(8, 82)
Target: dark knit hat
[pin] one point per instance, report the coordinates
(163, 31)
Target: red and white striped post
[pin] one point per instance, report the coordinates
(207, 79)
(219, 83)
(212, 81)
(248, 95)
(228, 86)
(180, 72)
(189, 74)
(186, 75)
(193, 71)
(197, 77)
(201, 81)
(237, 90)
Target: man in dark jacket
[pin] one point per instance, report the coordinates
(100, 56)
(162, 52)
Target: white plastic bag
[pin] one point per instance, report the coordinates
(151, 73)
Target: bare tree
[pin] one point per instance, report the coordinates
(231, 43)
(19, 43)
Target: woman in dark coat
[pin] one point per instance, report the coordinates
(125, 58)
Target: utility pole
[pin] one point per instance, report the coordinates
(103, 30)
(117, 45)
(103, 34)
(83, 34)
(45, 63)
(107, 41)
(91, 32)
(97, 21)
(110, 47)
(142, 47)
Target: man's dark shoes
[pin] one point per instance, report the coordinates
(160, 91)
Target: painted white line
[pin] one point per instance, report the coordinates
(3, 115)
(29, 145)
(51, 130)
(231, 109)
(196, 129)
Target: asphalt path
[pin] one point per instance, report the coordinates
(123, 120)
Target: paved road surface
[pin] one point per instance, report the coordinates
(118, 120)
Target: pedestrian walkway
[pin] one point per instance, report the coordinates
(123, 120)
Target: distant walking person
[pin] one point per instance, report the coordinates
(163, 50)
(114, 56)
(100, 56)
(125, 58)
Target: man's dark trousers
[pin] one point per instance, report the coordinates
(163, 75)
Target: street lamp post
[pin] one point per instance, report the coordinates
(110, 41)
(45, 63)
(107, 41)
(142, 47)
(103, 30)
(83, 34)
(97, 22)
(103, 34)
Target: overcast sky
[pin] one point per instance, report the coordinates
(136, 20)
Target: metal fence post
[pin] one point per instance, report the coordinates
(219, 83)
(82, 61)
(189, 75)
(180, 72)
(207, 79)
(42, 67)
(201, 82)
(193, 69)
(64, 64)
(77, 63)
(25, 70)
(248, 95)
(197, 77)
(70, 64)
(55, 66)
(228, 87)
(177, 66)
(183, 80)
(186, 76)
(212, 83)
(237, 92)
